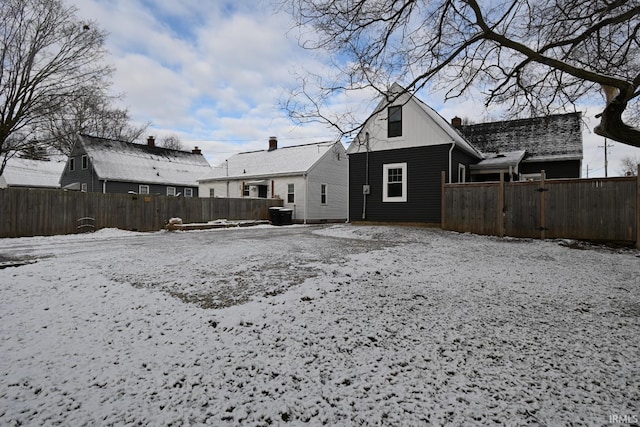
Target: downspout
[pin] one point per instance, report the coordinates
(104, 186)
(306, 196)
(366, 176)
(453, 144)
(227, 164)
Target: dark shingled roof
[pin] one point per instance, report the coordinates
(544, 138)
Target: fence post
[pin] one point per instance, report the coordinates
(543, 205)
(442, 201)
(638, 208)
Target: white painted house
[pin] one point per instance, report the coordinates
(311, 179)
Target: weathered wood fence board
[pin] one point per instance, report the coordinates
(31, 212)
(603, 209)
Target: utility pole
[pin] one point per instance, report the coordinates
(606, 158)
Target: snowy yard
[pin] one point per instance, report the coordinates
(337, 325)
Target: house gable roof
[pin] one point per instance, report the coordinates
(128, 162)
(446, 134)
(21, 172)
(555, 137)
(292, 160)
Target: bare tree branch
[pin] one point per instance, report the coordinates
(535, 56)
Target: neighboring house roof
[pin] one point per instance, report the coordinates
(555, 137)
(285, 161)
(499, 161)
(128, 162)
(21, 172)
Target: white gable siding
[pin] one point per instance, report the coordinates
(418, 130)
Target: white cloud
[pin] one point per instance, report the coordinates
(214, 74)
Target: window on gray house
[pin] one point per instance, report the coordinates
(290, 193)
(323, 194)
(171, 191)
(85, 162)
(188, 192)
(72, 164)
(394, 122)
(143, 189)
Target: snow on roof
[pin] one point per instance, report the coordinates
(291, 160)
(544, 138)
(500, 160)
(33, 173)
(125, 161)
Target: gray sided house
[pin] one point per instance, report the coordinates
(110, 166)
(311, 179)
(521, 149)
(396, 161)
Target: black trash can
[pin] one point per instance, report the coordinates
(274, 215)
(286, 216)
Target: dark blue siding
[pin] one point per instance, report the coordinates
(553, 170)
(424, 167)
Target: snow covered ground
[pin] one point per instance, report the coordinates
(337, 325)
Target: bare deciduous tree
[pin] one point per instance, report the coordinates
(535, 57)
(46, 54)
(88, 111)
(629, 166)
(172, 142)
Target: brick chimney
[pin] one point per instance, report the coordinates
(196, 150)
(151, 141)
(273, 143)
(456, 122)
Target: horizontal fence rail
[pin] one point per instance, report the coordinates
(41, 212)
(599, 209)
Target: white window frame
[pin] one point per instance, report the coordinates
(324, 193)
(143, 189)
(84, 161)
(83, 187)
(246, 191)
(291, 193)
(212, 192)
(385, 182)
(462, 173)
(171, 191)
(188, 192)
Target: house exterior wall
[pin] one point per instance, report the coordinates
(424, 167)
(553, 170)
(80, 174)
(333, 171)
(277, 188)
(126, 187)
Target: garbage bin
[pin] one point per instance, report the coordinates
(286, 216)
(274, 215)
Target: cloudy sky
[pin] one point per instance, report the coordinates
(214, 73)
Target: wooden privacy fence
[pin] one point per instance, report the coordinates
(599, 209)
(39, 212)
